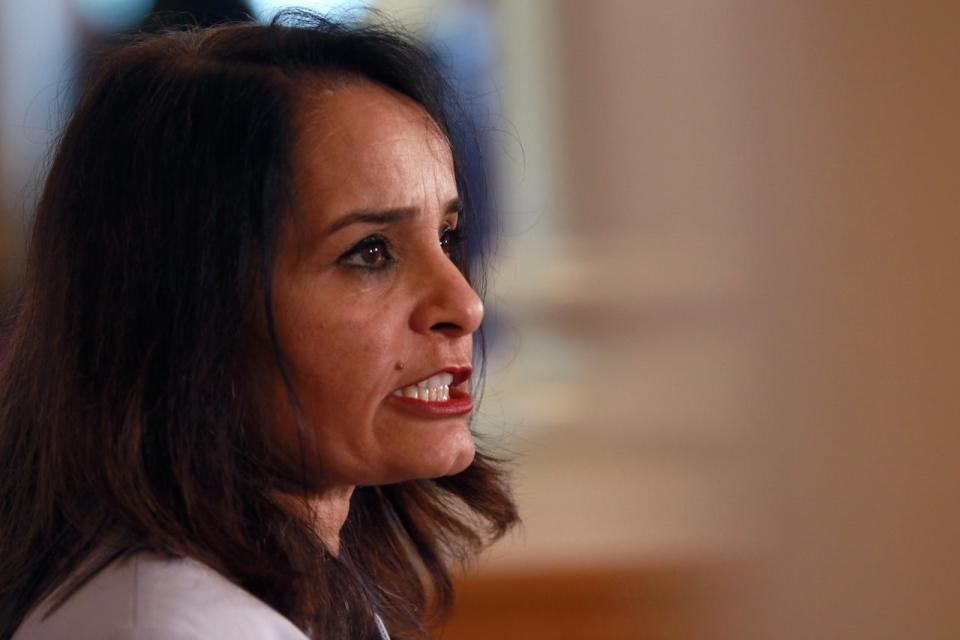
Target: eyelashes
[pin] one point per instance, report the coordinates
(372, 253)
(451, 240)
(375, 252)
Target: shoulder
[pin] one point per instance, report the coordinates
(149, 597)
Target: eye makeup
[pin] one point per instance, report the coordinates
(373, 253)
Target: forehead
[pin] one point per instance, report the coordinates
(363, 145)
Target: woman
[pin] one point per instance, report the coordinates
(236, 402)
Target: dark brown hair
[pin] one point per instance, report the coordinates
(124, 418)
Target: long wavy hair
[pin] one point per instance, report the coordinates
(125, 417)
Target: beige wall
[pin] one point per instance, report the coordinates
(761, 305)
(861, 400)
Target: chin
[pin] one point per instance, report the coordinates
(462, 460)
(453, 458)
(420, 453)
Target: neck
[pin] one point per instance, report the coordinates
(327, 510)
(330, 511)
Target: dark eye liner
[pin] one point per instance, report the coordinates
(363, 244)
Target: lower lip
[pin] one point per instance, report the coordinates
(459, 404)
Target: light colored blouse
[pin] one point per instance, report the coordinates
(150, 597)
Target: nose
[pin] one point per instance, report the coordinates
(446, 303)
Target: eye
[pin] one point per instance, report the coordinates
(450, 241)
(370, 253)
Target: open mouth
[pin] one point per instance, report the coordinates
(436, 388)
(442, 394)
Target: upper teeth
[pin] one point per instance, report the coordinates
(433, 389)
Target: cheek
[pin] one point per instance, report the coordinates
(341, 354)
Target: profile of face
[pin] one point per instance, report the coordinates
(363, 280)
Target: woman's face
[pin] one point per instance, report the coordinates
(363, 281)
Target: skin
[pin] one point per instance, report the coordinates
(344, 320)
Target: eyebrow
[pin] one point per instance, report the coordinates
(385, 216)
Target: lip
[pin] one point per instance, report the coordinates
(460, 375)
(459, 404)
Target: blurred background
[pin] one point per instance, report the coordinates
(724, 310)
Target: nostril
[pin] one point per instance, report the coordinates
(446, 326)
